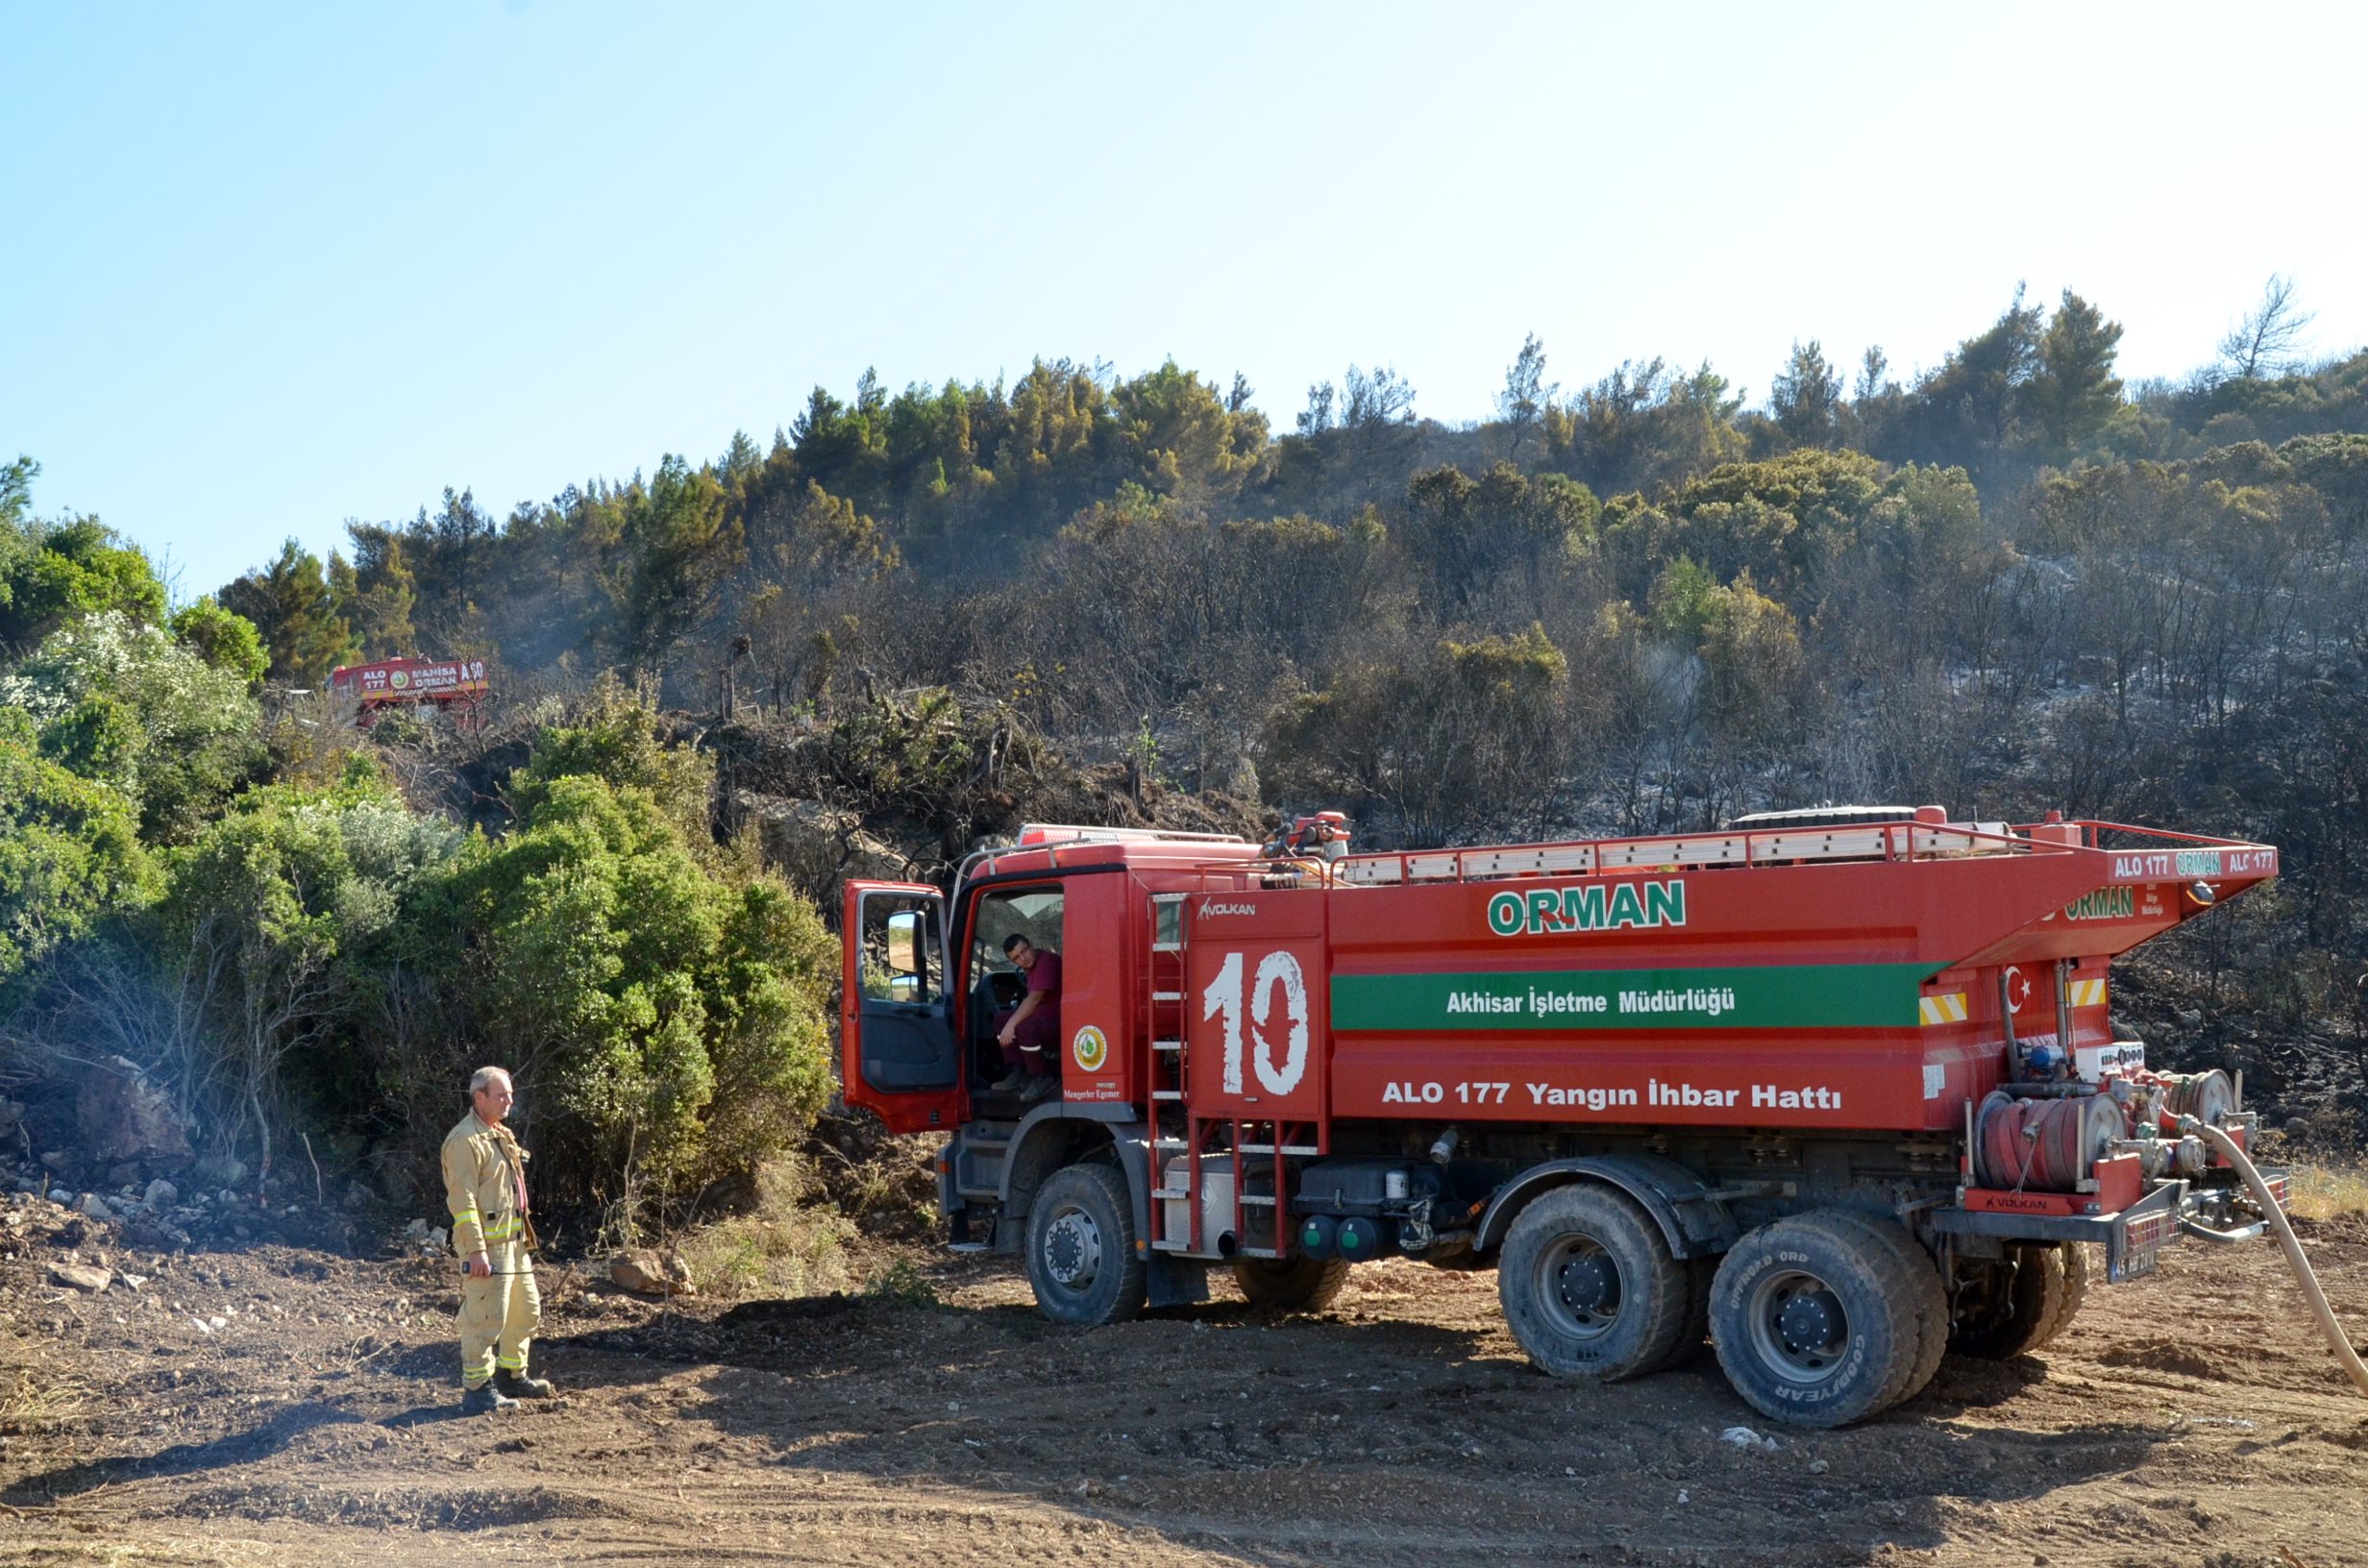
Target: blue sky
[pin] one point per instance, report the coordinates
(276, 266)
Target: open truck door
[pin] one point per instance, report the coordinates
(897, 1047)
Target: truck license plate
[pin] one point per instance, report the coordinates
(2137, 1263)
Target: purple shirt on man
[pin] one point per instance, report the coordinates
(1044, 975)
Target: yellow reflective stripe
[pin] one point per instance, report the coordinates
(469, 1214)
(511, 1364)
(504, 1229)
(1947, 1008)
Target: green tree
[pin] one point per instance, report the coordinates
(2074, 392)
(638, 992)
(291, 604)
(226, 641)
(676, 543)
(1967, 413)
(1466, 533)
(1807, 398)
(52, 573)
(379, 593)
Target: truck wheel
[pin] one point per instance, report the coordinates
(2028, 1302)
(1589, 1286)
(1694, 1330)
(1290, 1285)
(1926, 1288)
(2074, 1284)
(1817, 1320)
(1081, 1257)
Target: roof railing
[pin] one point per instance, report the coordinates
(1895, 840)
(1038, 836)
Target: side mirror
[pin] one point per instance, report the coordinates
(905, 944)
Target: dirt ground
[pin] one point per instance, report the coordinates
(276, 1405)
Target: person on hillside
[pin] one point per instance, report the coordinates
(485, 1188)
(1030, 1033)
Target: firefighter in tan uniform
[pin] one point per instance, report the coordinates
(485, 1188)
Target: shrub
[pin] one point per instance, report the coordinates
(673, 1019)
(68, 851)
(117, 700)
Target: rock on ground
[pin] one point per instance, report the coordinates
(121, 1117)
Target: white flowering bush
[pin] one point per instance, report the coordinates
(117, 700)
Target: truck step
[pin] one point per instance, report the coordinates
(1260, 1252)
(1167, 995)
(1269, 1148)
(1167, 1044)
(1167, 1094)
(1180, 1244)
(1257, 1200)
(966, 1248)
(1167, 946)
(1170, 1192)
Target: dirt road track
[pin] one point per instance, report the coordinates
(2188, 1420)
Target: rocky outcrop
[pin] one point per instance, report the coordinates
(125, 1118)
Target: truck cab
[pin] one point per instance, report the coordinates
(927, 978)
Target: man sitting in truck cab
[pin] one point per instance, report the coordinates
(1030, 1033)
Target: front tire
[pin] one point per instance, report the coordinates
(1290, 1285)
(1589, 1285)
(1081, 1255)
(1818, 1320)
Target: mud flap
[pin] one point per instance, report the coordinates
(1175, 1281)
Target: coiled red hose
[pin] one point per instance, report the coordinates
(2042, 1145)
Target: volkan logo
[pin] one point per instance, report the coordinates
(1091, 1049)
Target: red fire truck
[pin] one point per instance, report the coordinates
(1837, 1090)
(453, 686)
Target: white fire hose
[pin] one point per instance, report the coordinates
(2336, 1340)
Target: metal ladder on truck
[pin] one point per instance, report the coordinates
(1177, 1129)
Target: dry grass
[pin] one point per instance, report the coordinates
(782, 1247)
(2327, 1192)
(34, 1403)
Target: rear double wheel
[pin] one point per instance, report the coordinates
(1827, 1318)
(1290, 1285)
(1590, 1287)
(2017, 1305)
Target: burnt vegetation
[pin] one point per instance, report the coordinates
(916, 618)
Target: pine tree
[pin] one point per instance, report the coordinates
(2074, 391)
(1807, 398)
(291, 603)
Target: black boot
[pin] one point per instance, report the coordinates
(518, 1385)
(483, 1400)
